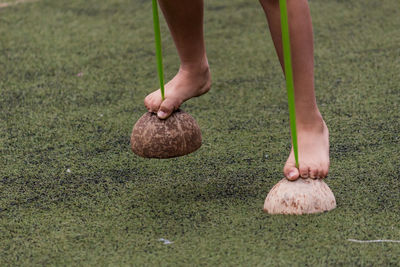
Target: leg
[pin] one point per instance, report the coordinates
(313, 136)
(185, 21)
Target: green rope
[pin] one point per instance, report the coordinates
(289, 76)
(157, 37)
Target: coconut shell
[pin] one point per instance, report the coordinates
(303, 196)
(175, 136)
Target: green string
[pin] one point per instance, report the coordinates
(289, 76)
(157, 37)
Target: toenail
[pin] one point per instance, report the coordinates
(161, 114)
(292, 174)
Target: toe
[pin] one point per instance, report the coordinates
(324, 171)
(314, 172)
(146, 103)
(290, 171)
(320, 172)
(166, 108)
(151, 103)
(304, 171)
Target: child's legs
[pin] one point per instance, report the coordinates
(313, 137)
(185, 21)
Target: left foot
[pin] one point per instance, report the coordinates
(188, 83)
(313, 146)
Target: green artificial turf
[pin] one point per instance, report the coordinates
(73, 75)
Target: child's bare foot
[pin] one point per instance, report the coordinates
(187, 83)
(313, 145)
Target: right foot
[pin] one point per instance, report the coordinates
(313, 143)
(186, 84)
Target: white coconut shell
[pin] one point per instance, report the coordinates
(303, 196)
(175, 136)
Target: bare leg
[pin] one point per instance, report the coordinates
(185, 21)
(313, 135)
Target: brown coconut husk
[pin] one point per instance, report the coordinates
(178, 135)
(303, 196)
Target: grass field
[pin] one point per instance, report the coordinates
(73, 75)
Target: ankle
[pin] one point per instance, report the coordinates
(310, 121)
(198, 67)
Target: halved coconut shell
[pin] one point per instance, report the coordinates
(175, 136)
(303, 196)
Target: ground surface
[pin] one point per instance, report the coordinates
(73, 75)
